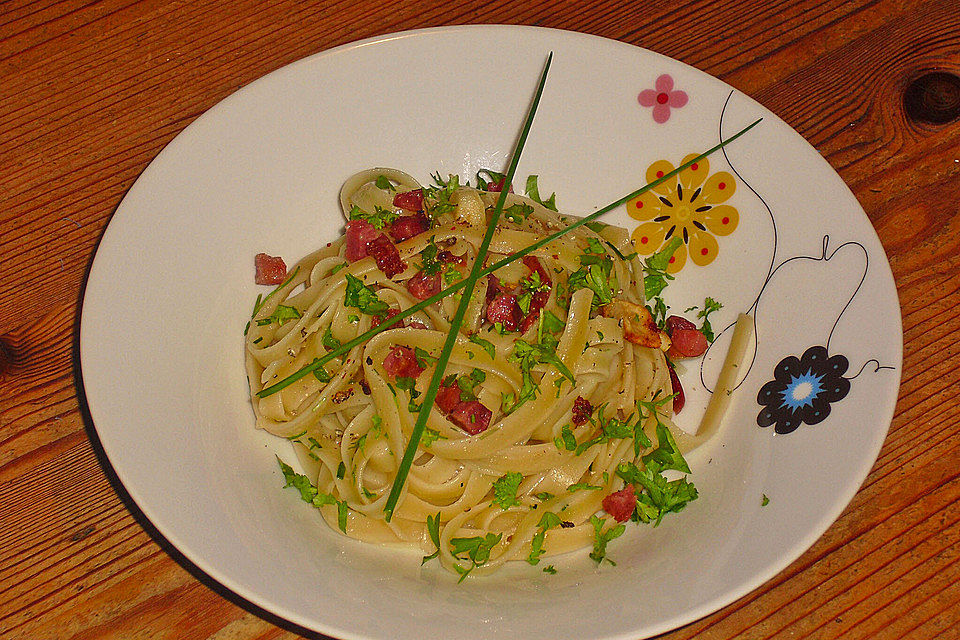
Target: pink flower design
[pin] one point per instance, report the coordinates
(662, 99)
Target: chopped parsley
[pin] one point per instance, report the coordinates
(533, 192)
(468, 383)
(409, 384)
(528, 287)
(433, 528)
(431, 265)
(329, 342)
(379, 218)
(383, 182)
(656, 278)
(764, 501)
(364, 298)
(601, 538)
(486, 345)
(527, 356)
(494, 179)
(709, 306)
(566, 439)
(430, 436)
(583, 486)
(309, 493)
(424, 359)
(437, 198)
(517, 213)
(614, 429)
(549, 520)
(505, 489)
(477, 550)
(280, 315)
(596, 274)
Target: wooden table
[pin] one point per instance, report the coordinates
(91, 91)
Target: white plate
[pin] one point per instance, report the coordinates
(172, 287)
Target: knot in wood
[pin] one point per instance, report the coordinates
(933, 98)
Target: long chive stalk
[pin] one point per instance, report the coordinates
(471, 281)
(399, 317)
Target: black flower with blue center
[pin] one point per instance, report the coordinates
(802, 390)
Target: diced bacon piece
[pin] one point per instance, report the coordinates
(505, 310)
(534, 264)
(493, 287)
(423, 285)
(270, 269)
(471, 416)
(538, 302)
(679, 399)
(376, 320)
(528, 322)
(448, 397)
(677, 322)
(620, 504)
(409, 200)
(401, 362)
(359, 233)
(638, 325)
(687, 343)
(581, 411)
(406, 227)
(416, 324)
(386, 255)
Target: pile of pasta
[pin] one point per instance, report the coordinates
(557, 380)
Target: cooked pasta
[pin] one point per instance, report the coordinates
(556, 399)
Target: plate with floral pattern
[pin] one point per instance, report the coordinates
(767, 229)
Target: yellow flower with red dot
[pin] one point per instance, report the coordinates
(689, 207)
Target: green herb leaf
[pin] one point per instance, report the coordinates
(383, 182)
(552, 323)
(667, 454)
(583, 486)
(709, 306)
(655, 267)
(423, 357)
(764, 501)
(486, 345)
(360, 296)
(329, 342)
(658, 496)
(379, 218)
(280, 315)
(430, 436)
(467, 384)
(342, 515)
(601, 538)
(566, 440)
(505, 489)
(517, 213)
(433, 528)
(533, 192)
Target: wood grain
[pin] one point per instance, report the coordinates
(90, 92)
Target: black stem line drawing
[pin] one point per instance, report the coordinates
(825, 256)
(876, 367)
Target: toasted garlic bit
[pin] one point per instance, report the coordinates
(638, 325)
